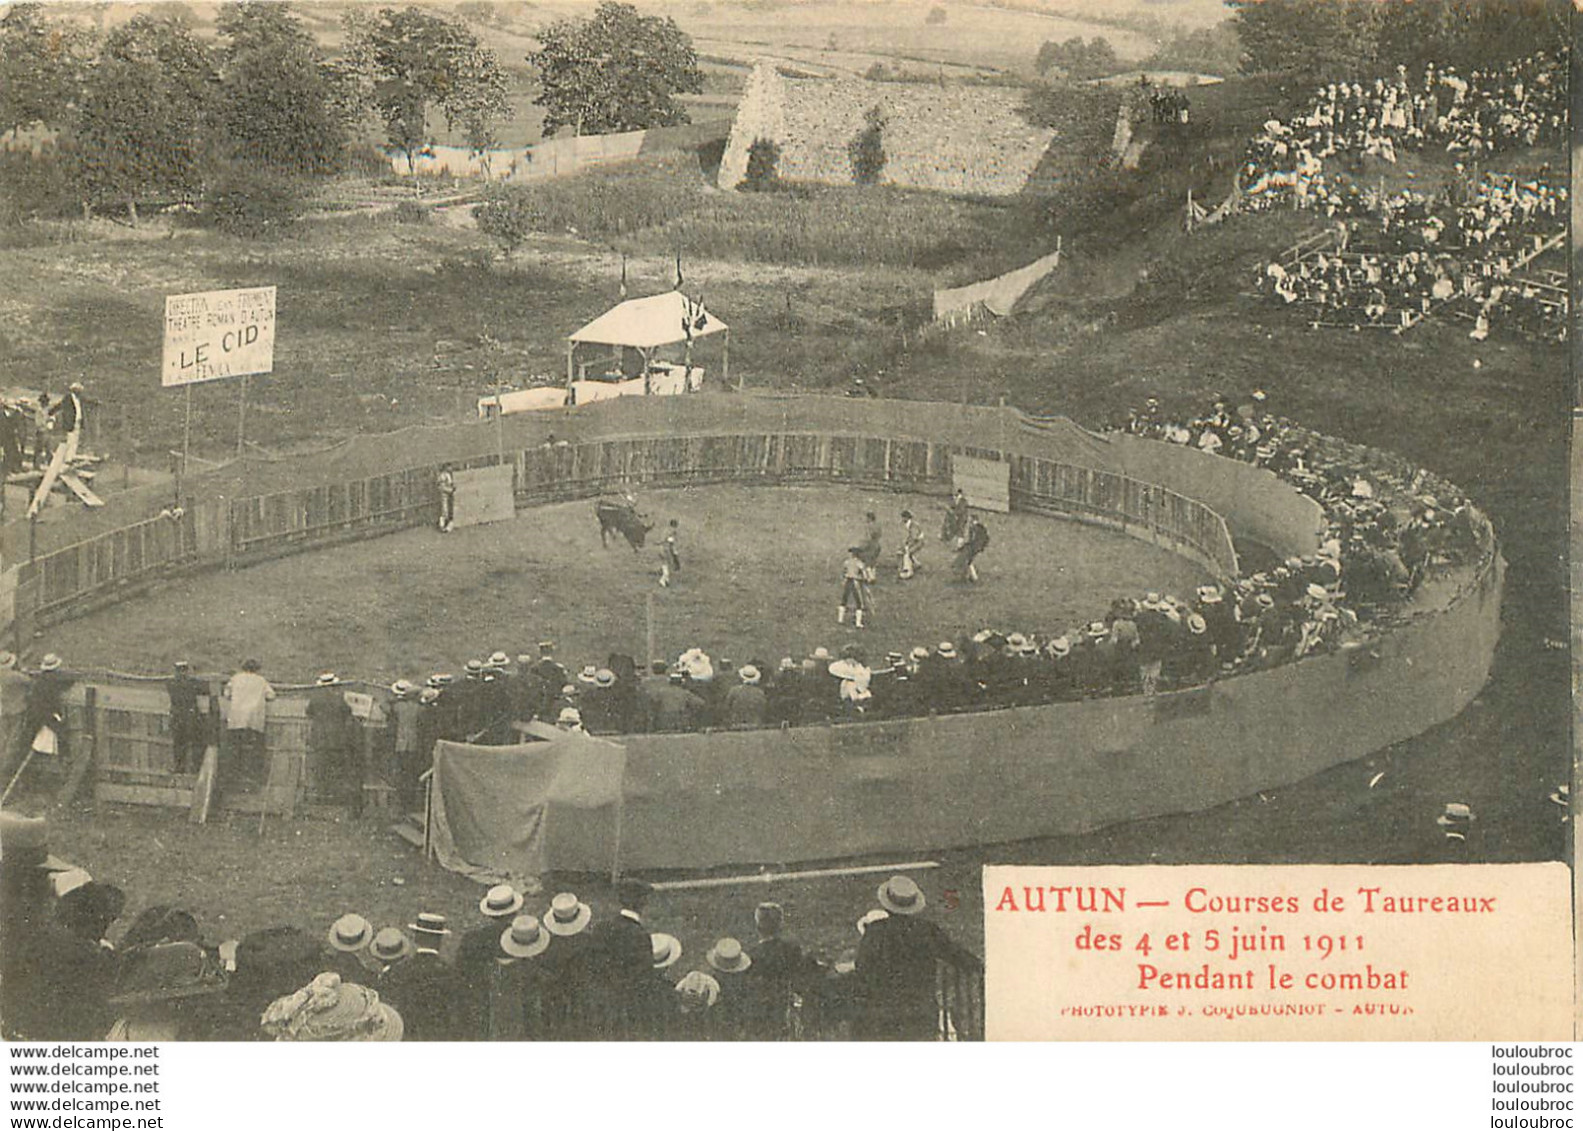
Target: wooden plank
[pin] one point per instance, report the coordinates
(144, 795)
(78, 772)
(80, 489)
(203, 791)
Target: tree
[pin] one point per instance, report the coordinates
(410, 61)
(615, 71)
(1304, 38)
(762, 173)
(277, 106)
(508, 217)
(867, 150)
(142, 128)
(478, 99)
(41, 68)
(1077, 60)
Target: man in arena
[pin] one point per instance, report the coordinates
(855, 596)
(870, 548)
(911, 546)
(670, 556)
(973, 542)
(447, 486)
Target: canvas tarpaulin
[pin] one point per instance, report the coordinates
(511, 811)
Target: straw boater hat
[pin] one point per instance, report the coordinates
(588, 675)
(429, 931)
(604, 677)
(821, 653)
(900, 896)
(350, 933)
(788, 664)
(569, 717)
(500, 901)
(326, 679)
(473, 668)
(666, 950)
(390, 945)
(525, 938)
(919, 653)
(567, 915)
(401, 688)
(1060, 646)
(748, 674)
(1317, 592)
(947, 650)
(698, 991)
(499, 660)
(870, 917)
(728, 957)
(429, 695)
(1195, 624)
(441, 679)
(50, 663)
(524, 660)
(327, 1009)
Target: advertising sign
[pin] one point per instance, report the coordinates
(218, 334)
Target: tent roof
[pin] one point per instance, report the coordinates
(644, 323)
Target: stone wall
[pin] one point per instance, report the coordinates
(969, 140)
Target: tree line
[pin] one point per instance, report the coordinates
(149, 113)
(1334, 39)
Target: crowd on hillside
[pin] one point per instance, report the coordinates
(1469, 249)
(1519, 105)
(558, 969)
(1399, 256)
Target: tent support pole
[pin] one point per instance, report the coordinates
(571, 348)
(725, 365)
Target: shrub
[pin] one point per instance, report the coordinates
(508, 217)
(36, 187)
(763, 170)
(411, 212)
(252, 202)
(867, 149)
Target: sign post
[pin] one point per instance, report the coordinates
(214, 335)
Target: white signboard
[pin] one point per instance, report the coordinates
(985, 482)
(218, 334)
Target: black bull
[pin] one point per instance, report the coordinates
(618, 518)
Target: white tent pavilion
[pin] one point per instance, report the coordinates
(647, 325)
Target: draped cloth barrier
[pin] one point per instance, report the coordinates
(508, 811)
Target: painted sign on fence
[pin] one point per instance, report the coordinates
(218, 334)
(985, 482)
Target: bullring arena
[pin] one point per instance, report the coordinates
(1093, 515)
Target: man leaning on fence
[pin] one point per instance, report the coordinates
(248, 694)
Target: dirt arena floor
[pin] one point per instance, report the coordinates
(760, 580)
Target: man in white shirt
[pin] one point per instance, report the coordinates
(247, 695)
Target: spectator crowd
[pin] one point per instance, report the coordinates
(555, 970)
(1399, 256)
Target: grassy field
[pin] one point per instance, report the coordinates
(762, 579)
